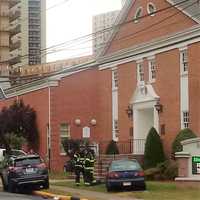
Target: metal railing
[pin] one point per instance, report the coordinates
(132, 146)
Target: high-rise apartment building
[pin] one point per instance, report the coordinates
(101, 28)
(4, 36)
(27, 33)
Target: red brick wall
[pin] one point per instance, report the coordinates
(127, 84)
(194, 89)
(39, 101)
(149, 28)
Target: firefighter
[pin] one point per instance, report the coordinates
(89, 168)
(78, 167)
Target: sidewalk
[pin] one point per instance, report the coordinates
(90, 195)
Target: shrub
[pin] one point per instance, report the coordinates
(166, 170)
(70, 146)
(154, 153)
(182, 135)
(112, 148)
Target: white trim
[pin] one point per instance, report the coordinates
(151, 57)
(148, 11)
(139, 9)
(183, 48)
(151, 80)
(40, 84)
(183, 11)
(152, 48)
(139, 61)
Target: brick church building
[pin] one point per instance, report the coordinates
(146, 76)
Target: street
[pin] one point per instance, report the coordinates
(14, 196)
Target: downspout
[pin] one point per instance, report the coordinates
(49, 125)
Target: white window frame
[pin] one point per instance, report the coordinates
(184, 61)
(152, 70)
(136, 17)
(116, 127)
(148, 9)
(115, 79)
(185, 119)
(140, 72)
(66, 134)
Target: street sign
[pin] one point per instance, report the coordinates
(196, 165)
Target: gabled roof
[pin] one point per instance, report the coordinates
(191, 8)
(2, 94)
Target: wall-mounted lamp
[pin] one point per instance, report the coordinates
(129, 111)
(93, 122)
(77, 122)
(158, 106)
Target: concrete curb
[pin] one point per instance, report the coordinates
(55, 196)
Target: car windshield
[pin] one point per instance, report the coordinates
(27, 161)
(124, 165)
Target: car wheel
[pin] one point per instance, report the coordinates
(46, 184)
(109, 188)
(11, 187)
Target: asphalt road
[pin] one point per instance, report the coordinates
(14, 196)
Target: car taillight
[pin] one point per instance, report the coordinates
(41, 166)
(113, 175)
(14, 169)
(140, 173)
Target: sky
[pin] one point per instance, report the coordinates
(71, 19)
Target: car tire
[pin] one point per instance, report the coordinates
(46, 184)
(11, 187)
(109, 188)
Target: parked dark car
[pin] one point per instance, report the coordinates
(125, 174)
(27, 170)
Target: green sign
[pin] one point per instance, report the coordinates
(196, 165)
(196, 159)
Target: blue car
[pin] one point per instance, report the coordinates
(125, 174)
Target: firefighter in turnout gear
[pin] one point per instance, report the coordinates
(78, 164)
(89, 168)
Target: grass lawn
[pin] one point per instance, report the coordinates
(58, 175)
(155, 191)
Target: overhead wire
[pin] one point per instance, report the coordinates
(70, 42)
(160, 22)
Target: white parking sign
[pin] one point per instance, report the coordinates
(86, 132)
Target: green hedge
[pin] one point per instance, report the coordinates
(182, 135)
(154, 153)
(112, 148)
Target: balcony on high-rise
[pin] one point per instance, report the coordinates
(15, 30)
(15, 45)
(15, 15)
(13, 2)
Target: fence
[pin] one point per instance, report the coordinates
(131, 146)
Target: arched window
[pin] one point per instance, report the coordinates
(151, 9)
(138, 14)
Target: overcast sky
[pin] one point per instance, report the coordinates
(72, 19)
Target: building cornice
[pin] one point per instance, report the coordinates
(52, 81)
(151, 48)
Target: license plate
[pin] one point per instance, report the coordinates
(29, 170)
(126, 183)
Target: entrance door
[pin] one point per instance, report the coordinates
(143, 122)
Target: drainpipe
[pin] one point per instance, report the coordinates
(49, 126)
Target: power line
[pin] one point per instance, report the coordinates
(98, 32)
(53, 74)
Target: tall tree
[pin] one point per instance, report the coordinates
(154, 153)
(19, 120)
